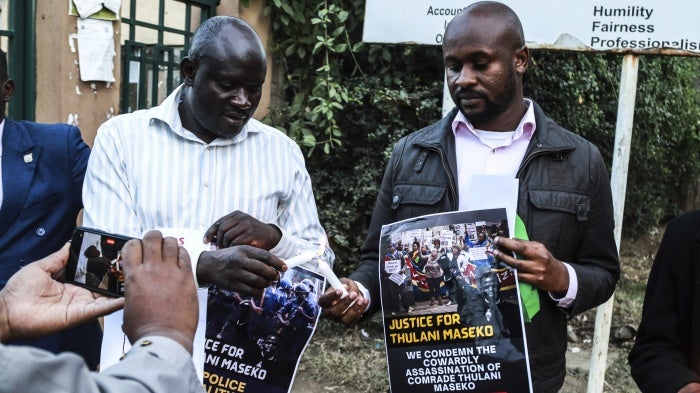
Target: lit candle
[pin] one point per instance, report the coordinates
(301, 259)
(327, 272)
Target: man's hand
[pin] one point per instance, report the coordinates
(161, 298)
(537, 267)
(34, 304)
(347, 310)
(238, 228)
(244, 269)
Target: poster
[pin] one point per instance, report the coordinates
(242, 344)
(454, 323)
(255, 344)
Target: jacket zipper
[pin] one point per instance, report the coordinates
(538, 153)
(446, 167)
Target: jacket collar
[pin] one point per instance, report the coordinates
(437, 134)
(546, 137)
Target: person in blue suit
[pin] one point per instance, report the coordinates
(41, 172)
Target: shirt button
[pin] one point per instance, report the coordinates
(206, 184)
(146, 343)
(396, 199)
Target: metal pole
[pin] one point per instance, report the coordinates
(618, 183)
(447, 103)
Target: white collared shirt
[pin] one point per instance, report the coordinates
(147, 171)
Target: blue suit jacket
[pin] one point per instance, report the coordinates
(43, 166)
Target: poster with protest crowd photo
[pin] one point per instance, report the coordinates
(243, 343)
(451, 310)
(255, 344)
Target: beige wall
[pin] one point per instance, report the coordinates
(255, 16)
(63, 98)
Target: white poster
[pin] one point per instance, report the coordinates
(564, 24)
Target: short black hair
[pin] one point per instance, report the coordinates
(208, 31)
(493, 9)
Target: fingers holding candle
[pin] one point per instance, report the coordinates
(333, 280)
(322, 266)
(346, 309)
(349, 306)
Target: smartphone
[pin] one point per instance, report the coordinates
(95, 261)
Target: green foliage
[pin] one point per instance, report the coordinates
(580, 91)
(313, 40)
(346, 102)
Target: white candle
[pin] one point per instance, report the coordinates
(300, 259)
(326, 270)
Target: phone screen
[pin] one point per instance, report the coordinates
(95, 261)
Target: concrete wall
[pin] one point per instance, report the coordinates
(63, 98)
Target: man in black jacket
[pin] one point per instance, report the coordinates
(665, 357)
(564, 197)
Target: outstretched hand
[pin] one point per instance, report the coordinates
(347, 310)
(34, 304)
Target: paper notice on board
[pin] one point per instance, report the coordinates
(96, 50)
(95, 9)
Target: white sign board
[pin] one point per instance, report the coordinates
(610, 25)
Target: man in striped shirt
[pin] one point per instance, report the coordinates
(200, 161)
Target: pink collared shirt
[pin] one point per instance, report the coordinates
(499, 153)
(481, 152)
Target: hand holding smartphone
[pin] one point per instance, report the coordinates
(95, 261)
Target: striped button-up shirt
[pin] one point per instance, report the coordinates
(147, 171)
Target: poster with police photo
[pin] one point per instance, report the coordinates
(254, 344)
(452, 317)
